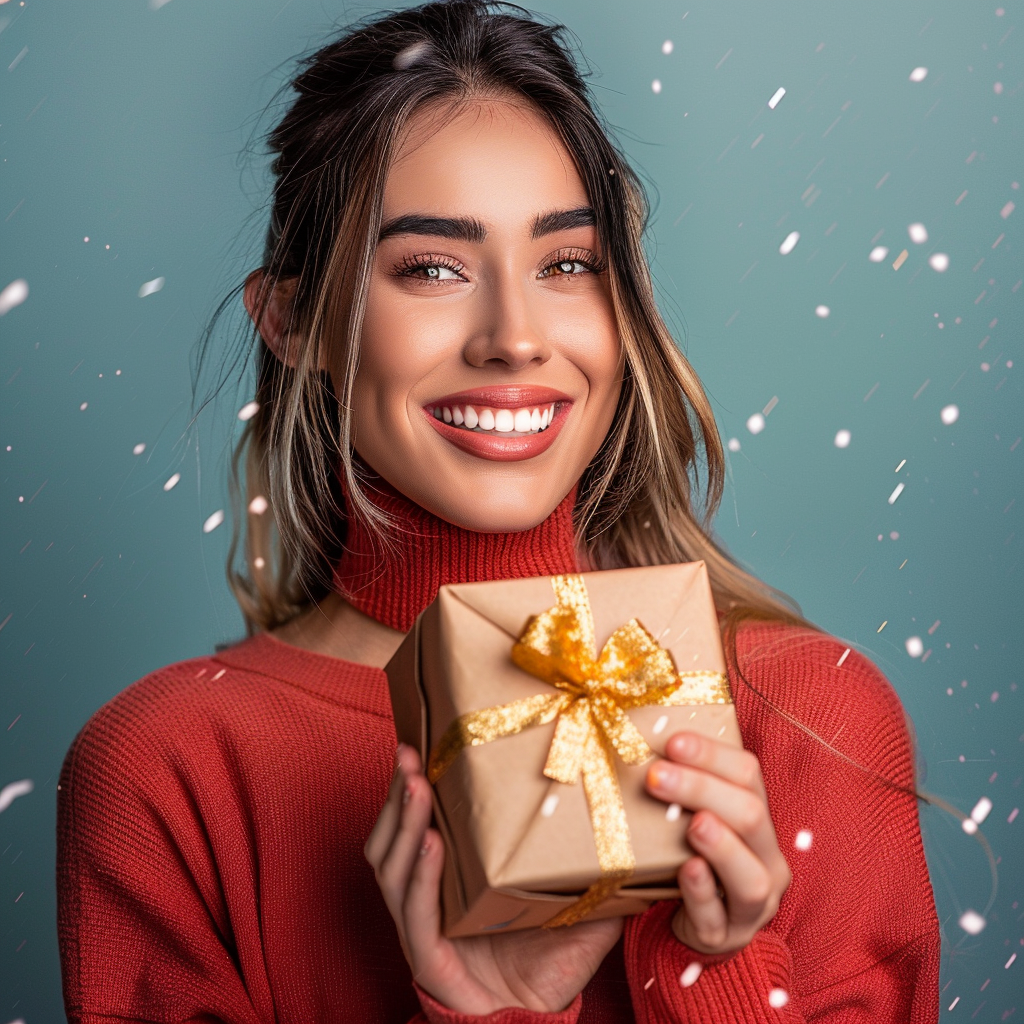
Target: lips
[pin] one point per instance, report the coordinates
(503, 424)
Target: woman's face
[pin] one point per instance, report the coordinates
(490, 363)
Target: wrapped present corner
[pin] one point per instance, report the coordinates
(537, 704)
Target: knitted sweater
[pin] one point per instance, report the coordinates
(211, 823)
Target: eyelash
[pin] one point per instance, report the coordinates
(584, 257)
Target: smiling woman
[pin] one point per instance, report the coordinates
(463, 375)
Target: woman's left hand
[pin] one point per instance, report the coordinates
(732, 834)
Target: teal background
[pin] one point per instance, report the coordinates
(132, 126)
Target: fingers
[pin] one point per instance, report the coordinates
(702, 922)
(734, 764)
(396, 848)
(387, 821)
(744, 811)
(421, 909)
(748, 884)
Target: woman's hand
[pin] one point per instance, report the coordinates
(733, 837)
(540, 969)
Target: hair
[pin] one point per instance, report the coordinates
(640, 501)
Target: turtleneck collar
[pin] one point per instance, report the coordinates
(429, 552)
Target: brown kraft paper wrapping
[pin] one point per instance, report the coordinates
(519, 846)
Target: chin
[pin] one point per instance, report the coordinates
(492, 504)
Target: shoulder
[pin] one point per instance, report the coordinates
(823, 688)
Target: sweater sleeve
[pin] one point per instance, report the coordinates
(139, 919)
(856, 937)
(435, 1013)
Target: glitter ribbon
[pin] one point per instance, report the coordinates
(589, 709)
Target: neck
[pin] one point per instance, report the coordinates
(394, 586)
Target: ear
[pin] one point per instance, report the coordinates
(274, 315)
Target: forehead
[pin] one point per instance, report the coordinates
(495, 159)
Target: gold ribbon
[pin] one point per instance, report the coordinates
(594, 693)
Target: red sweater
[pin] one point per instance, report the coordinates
(212, 817)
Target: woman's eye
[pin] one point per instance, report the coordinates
(568, 268)
(431, 272)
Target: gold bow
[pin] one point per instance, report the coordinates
(632, 671)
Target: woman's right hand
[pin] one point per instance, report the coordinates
(540, 969)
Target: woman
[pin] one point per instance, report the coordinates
(462, 375)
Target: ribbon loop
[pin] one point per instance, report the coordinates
(589, 710)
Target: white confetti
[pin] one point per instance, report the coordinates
(172, 481)
(13, 790)
(214, 521)
(248, 411)
(667, 47)
(659, 725)
(656, 86)
(734, 444)
(789, 243)
(972, 922)
(548, 807)
(878, 254)
(673, 812)
(138, 449)
(918, 233)
(822, 311)
(83, 407)
(997, 88)
(918, 74)
(756, 423)
(777, 998)
(939, 262)
(151, 287)
(981, 809)
(1004, 212)
(914, 646)
(691, 974)
(258, 505)
(258, 562)
(969, 825)
(803, 840)
(13, 295)
(950, 414)
(895, 494)
(776, 96)
(842, 439)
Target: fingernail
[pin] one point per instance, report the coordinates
(684, 745)
(705, 829)
(662, 775)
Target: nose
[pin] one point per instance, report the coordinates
(508, 333)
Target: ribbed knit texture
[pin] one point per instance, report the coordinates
(394, 584)
(211, 822)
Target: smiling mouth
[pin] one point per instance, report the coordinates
(481, 419)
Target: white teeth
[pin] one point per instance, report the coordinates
(505, 421)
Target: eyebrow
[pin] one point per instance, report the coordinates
(563, 220)
(469, 229)
(461, 229)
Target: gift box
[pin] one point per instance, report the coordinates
(536, 705)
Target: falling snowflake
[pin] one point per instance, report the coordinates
(13, 295)
(950, 414)
(690, 974)
(939, 261)
(915, 646)
(803, 840)
(151, 287)
(878, 254)
(972, 922)
(789, 243)
(918, 74)
(842, 439)
(918, 233)
(248, 411)
(822, 311)
(214, 521)
(776, 96)
(756, 423)
(172, 481)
